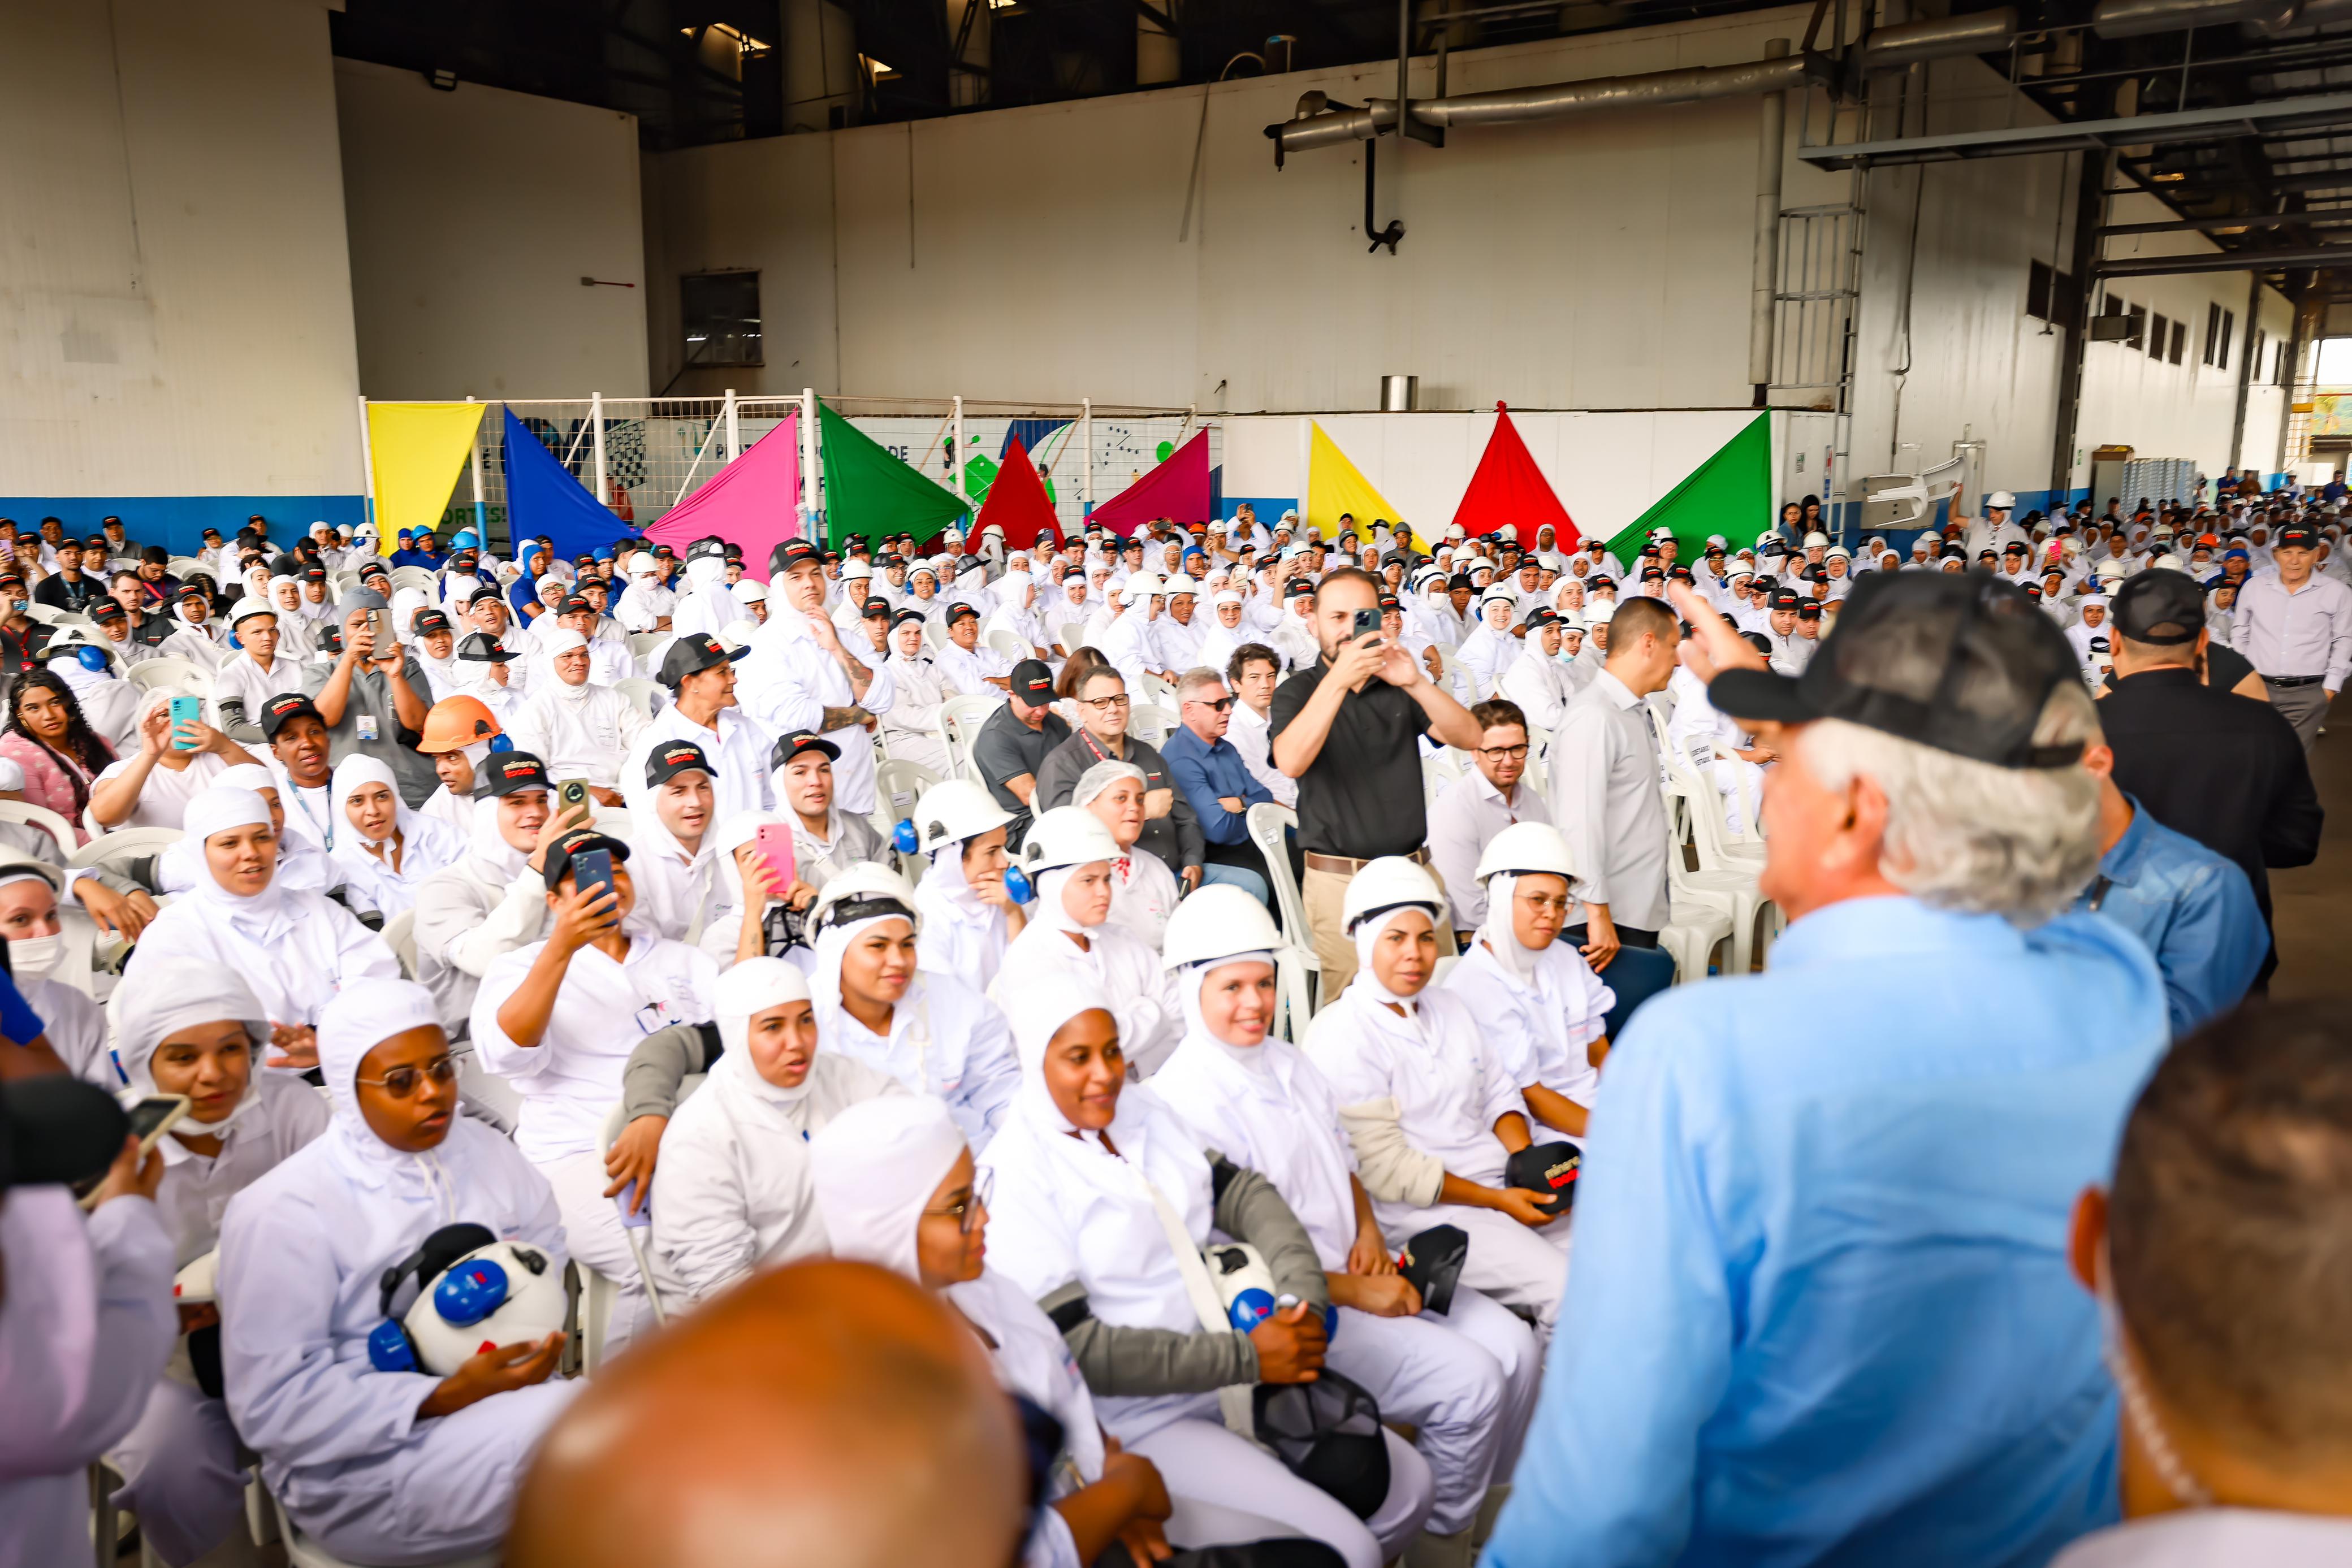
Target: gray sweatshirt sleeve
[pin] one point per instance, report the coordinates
(1136, 1361)
(1248, 1209)
(649, 1083)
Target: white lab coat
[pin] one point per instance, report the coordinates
(470, 914)
(302, 1250)
(734, 1194)
(580, 732)
(1537, 1025)
(1485, 656)
(945, 1040)
(737, 747)
(911, 729)
(788, 682)
(1540, 686)
(1150, 1023)
(294, 948)
(961, 935)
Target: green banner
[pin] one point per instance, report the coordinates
(1729, 494)
(871, 494)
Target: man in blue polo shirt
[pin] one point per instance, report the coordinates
(1820, 1310)
(1217, 782)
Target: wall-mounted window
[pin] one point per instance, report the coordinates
(2138, 314)
(2218, 325)
(2279, 367)
(2051, 296)
(2179, 341)
(720, 314)
(2159, 333)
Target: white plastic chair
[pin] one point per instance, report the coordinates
(1725, 883)
(1011, 646)
(898, 784)
(640, 692)
(1155, 691)
(109, 849)
(41, 817)
(1691, 935)
(399, 934)
(1151, 723)
(415, 576)
(183, 566)
(169, 673)
(1295, 967)
(642, 643)
(1437, 771)
(959, 722)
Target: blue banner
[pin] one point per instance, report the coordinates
(542, 498)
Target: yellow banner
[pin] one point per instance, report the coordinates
(418, 450)
(1334, 486)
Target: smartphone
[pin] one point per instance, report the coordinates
(572, 792)
(185, 710)
(775, 840)
(621, 1202)
(1367, 620)
(380, 628)
(154, 1116)
(592, 868)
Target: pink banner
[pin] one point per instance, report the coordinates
(1177, 490)
(753, 501)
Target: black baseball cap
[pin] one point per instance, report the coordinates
(960, 610)
(283, 710)
(576, 842)
(1960, 661)
(107, 610)
(1300, 589)
(692, 656)
(2163, 608)
(875, 606)
(314, 573)
(2296, 536)
(510, 773)
(800, 741)
(573, 604)
(1542, 615)
(1786, 598)
(55, 1130)
(1033, 682)
(792, 554)
(429, 621)
(904, 616)
(485, 591)
(672, 758)
(483, 649)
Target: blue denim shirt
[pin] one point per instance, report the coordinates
(1820, 1311)
(2195, 910)
(1206, 772)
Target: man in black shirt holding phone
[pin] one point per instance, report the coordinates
(1346, 730)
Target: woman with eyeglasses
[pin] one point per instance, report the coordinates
(382, 1467)
(735, 1193)
(195, 1030)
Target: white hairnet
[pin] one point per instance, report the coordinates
(362, 1016)
(1101, 777)
(876, 1167)
(222, 808)
(752, 988)
(170, 995)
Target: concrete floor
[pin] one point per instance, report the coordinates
(2312, 906)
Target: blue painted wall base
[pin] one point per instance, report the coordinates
(178, 522)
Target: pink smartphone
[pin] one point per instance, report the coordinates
(775, 840)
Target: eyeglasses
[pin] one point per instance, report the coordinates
(1546, 902)
(1104, 705)
(1220, 706)
(400, 1082)
(1516, 753)
(967, 1213)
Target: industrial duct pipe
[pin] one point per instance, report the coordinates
(1939, 37)
(2132, 18)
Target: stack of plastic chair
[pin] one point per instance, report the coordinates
(1295, 967)
(1726, 876)
(959, 728)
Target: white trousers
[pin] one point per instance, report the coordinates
(1517, 1265)
(593, 1236)
(180, 1474)
(1199, 1458)
(1443, 1384)
(1503, 1334)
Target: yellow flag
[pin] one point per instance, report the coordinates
(418, 450)
(1334, 486)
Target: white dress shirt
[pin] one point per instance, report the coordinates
(1463, 820)
(2307, 631)
(1251, 735)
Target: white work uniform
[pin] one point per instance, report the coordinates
(76, 1027)
(1447, 1087)
(1486, 656)
(1468, 1391)
(243, 680)
(296, 949)
(788, 682)
(736, 746)
(733, 1194)
(911, 729)
(164, 793)
(1539, 1023)
(1540, 686)
(946, 1039)
(969, 670)
(1083, 1214)
(1115, 959)
(961, 935)
(571, 1081)
(580, 732)
(1709, 738)
(303, 1252)
(470, 914)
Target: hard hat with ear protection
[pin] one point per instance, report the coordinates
(861, 892)
(474, 1292)
(1068, 836)
(953, 811)
(1386, 883)
(1525, 847)
(1219, 920)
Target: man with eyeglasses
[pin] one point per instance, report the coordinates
(1170, 831)
(1468, 812)
(1217, 783)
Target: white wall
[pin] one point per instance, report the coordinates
(175, 317)
(474, 214)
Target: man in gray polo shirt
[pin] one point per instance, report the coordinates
(373, 696)
(1604, 787)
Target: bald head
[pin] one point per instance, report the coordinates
(824, 1414)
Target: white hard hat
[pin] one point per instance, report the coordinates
(198, 1283)
(955, 810)
(1068, 836)
(1219, 922)
(860, 891)
(505, 1293)
(1139, 588)
(1527, 847)
(2110, 567)
(1385, 883)
(1816, 540)
(2002, 501)
(2170, 563)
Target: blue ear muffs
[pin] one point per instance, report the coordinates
(389, 1347)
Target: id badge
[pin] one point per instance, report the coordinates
(367, 726)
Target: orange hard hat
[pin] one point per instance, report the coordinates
(457, 723)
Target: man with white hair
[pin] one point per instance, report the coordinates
(1808, 1253)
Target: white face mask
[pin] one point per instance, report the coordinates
(32, 957)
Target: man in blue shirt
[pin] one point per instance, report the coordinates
(1217, 782)
(1818, 1311)
(2194, 909)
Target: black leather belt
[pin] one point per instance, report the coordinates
(2293, 680)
